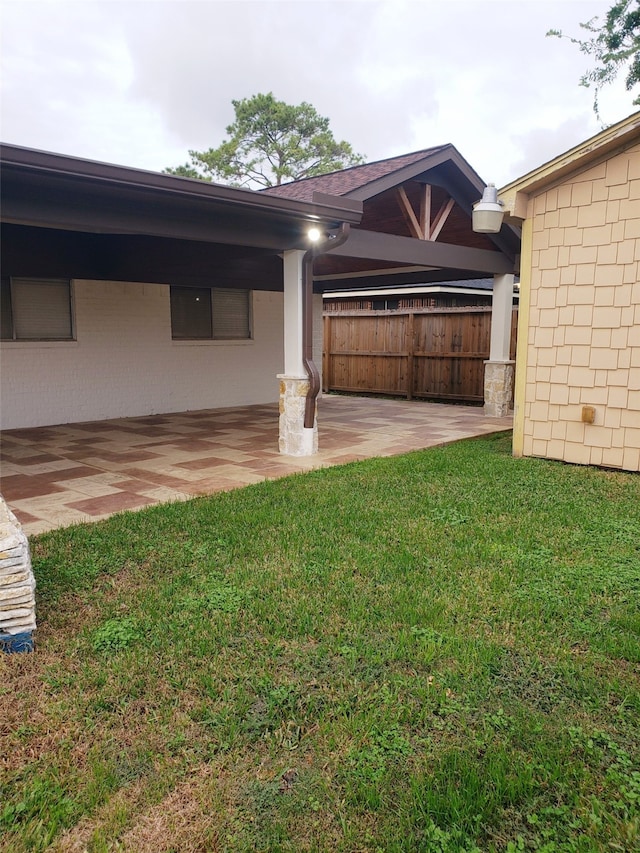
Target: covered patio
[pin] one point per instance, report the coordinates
(55, 476)
(127, 293)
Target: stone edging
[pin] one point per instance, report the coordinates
(17, 585)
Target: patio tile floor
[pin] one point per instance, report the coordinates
(61, 475)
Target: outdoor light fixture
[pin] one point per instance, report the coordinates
(488, 213)
(314, 234)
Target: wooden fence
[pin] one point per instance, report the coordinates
(433, 353)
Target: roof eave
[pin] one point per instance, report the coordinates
(378, 185)
(330, 209)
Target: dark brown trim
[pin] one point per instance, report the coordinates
(406, 250)
(346, 204)
(43, 162)
(45, 190)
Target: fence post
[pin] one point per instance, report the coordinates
(326, 357)
(410, 346)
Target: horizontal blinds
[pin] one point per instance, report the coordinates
(231, 316)
(41, 309)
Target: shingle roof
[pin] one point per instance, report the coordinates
(346, 180)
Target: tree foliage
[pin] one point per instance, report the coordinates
(270, 142)
(614, 45)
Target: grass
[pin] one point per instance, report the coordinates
(435, 652)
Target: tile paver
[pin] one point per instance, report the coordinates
(61, 475)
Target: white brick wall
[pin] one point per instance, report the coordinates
(124, 362)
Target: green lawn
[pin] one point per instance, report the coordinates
(435, 652)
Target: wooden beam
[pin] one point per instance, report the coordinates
(438, 223)
(424, 228)
(410, 346)
(425, 211)
(407, 250)
(409, 214)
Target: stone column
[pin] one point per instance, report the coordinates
(294, 439)
(498, 371)
(498, 388)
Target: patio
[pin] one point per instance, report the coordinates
(56, 476)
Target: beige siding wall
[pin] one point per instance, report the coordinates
(584, 333)
(125, 363)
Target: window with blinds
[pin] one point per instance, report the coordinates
(36, 309)
(230, 309)
(191, 313)
(202, 313)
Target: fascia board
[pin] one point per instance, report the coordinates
(16, 159)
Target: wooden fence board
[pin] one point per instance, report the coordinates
(434, 353)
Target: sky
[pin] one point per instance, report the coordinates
(140, 82)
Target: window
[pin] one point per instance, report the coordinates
(36, 309)
(203, 313)
(386, 304)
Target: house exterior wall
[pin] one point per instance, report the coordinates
(583, 332)
(124, 362)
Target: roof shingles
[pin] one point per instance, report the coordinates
(347, 180)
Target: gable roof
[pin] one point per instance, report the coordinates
(377, 245)
(363, 179)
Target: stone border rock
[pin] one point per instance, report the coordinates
(17, 585)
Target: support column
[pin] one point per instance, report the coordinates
(498, 371)
(294, 439)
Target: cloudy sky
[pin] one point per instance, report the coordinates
(139, 82)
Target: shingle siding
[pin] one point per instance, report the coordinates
(584, 340)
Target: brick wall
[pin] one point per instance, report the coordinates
(124, 362)
(584, 331)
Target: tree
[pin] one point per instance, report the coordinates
(613, 44)
(269, 143)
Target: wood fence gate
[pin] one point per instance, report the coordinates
(432, 353)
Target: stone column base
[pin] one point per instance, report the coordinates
(294, 439)
(498, 388)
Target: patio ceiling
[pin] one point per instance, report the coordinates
(73, 218)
